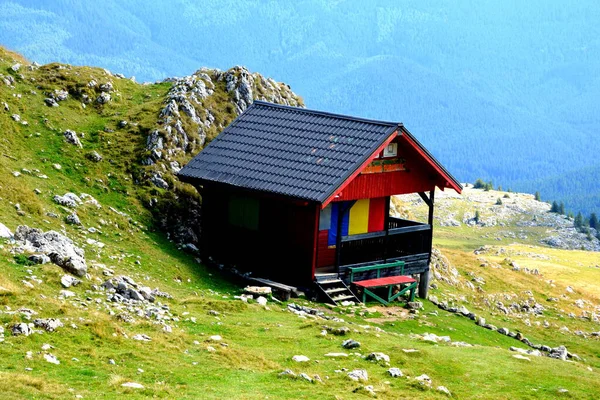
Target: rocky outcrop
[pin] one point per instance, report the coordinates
(193, 113)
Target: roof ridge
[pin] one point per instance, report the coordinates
(326, 114)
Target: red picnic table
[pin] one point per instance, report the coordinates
(406, 283)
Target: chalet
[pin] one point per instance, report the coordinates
(303, 197)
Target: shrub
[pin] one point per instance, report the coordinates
(22, 259)
(499, 201)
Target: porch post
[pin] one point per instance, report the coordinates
(386, 222)
(424, 278)
(343, 209)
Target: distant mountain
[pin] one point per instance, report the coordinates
(504, 91)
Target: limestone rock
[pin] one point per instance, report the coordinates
(21, 328)
(51, 359)
(5, 233)
(94, 156)
(60, 249)
(132, 385)
(395, 372)
(71, 137)
(73, 219)
(350, 344)
(49, 324)
(378, 357)
(359, 375)
(67, 281)
(300, 358)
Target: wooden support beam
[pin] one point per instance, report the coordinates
(426, 199)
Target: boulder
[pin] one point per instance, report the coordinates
(350, 344)
(73, 219)
(39, 258)
(67, 281)
(300, 358)
(59, 248)
(21, 328)
(378, 357)
(94, 156)
(395, 372)
(71, 137)
(49, 324)
(359, 375)
(5, 233)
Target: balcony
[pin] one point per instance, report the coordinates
(405, 240)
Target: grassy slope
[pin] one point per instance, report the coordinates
(260, 341)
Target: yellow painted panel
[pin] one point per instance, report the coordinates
(359, 217)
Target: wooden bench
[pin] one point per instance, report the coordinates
(406, 283)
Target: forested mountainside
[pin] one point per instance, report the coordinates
(503, 91)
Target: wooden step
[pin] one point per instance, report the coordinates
(336, 290)
(345, 297)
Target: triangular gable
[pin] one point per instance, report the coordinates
(442, 178)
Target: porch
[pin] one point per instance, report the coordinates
(403, 240)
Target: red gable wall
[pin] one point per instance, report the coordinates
(419, 175)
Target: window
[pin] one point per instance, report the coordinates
(325, 218)
(391, 150)
(243, 212)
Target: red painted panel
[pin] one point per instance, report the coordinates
(376, 214)
(325, 255)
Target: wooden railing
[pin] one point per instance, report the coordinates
(404, 238)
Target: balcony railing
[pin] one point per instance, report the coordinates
(404, 238)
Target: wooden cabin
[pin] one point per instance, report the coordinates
(299, 196)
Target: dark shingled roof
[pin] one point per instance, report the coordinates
(290, 151)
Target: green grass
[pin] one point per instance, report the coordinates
(260, 341)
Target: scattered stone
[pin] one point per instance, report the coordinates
(338, 331)
(415, 305)
(305, 377)
(73, 219)
(300, 358)
(49, 324)
(50, 102)
(21, 328)
(288, 373)
(5, 233)
(71, 137)
(51, 359)
(559, 352)
(424, 380)
(503, 331)
(359, 375)
(444, 389)
(261, 300)
(66, 294)
(94, 156)
(350, 344)
(39, 258)
(103, 98)
(378, 357)
(334, 355)
(67, 281)
(395, 372)
(142, 337)
(133, 385)
(68, 200)
(216, 338)
(410, 350)
(521, 357)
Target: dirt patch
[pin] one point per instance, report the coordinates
(390, 313)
